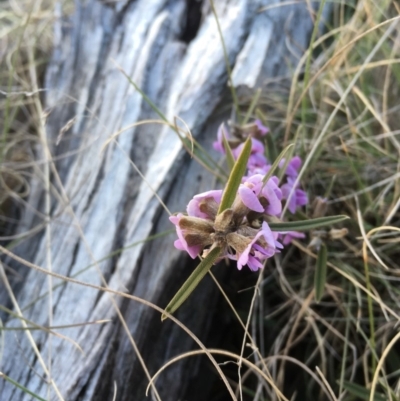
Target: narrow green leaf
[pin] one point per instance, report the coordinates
(235, 178)
(320, 273)
(192, 282)
(305, 225)
(361, 392)
(21, 387)
(276, 164)
(229, 156)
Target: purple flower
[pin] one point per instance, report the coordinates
(256, 251)
(293, 167)
(205, 205)
(259, 197)
(290, 235)
(262, 129)
(218, 145)
(263, 170)
(236, 230)
(273, 194)
(294, 196)
(236, 142)
(181, 243)
(257, 158)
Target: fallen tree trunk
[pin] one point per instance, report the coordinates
(101, 204)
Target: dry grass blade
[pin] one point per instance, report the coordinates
(249, 364)
(28, 334)
(380, 365)
(328, 123)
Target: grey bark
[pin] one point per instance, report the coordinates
(105, 205)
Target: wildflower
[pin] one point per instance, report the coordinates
(290, 235)
(293, 195)
(236, 141)
(262, 129)
(257, 158)
(263, 170)
(237, 231)
(205, 205)
(268, 247)
(293, 167)
(260, 197)
(218, 145)
(242, 232)
(190, 239)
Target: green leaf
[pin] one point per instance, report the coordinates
(192, 282)
(305, 225)
(235, 178)
(361, 392)
(276, 164)
(320, 273)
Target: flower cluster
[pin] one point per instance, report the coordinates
(242, 232)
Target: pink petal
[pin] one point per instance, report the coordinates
(256, 146)
(275, 205)
(287, 239)
(250, 199)
(295, 163)
(257, 160)
(181, 243)
(292, 167)
(193, 207)
(261, 128)
(254, 264)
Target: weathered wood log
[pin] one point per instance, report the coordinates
(99, 201)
